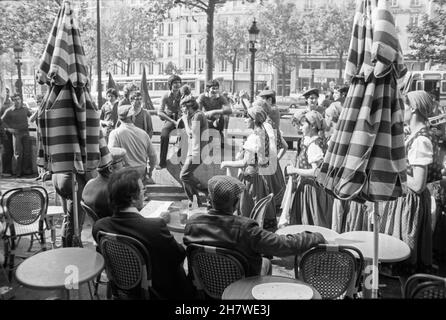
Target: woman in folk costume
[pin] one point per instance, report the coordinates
(276, 180)
(409, 218)
(255, 162)
(310, 204)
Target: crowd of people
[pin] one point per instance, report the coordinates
(117, 192)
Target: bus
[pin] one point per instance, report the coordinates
(157, 85)
(433, 82)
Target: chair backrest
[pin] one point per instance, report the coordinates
(425, 286)
(89, 211)
(25, 209)
(128, 267)
(213, 268)
(259, 209)
(333, 270)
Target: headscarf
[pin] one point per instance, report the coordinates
(421, 100)
(257, 113)
(313, 117)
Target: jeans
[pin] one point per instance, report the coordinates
(63, 184)
(168, 127)
(7, 153)
(190, 182)
(20, 145)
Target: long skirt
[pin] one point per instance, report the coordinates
(256, 188)
(409, 219)
(351, 216)
(311, 205)
(277, 184)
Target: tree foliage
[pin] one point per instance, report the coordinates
(171, 68)
(131, 35)
(428, 39)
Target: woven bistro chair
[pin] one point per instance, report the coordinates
(425, 286)
(259, 209)
(213, 268)
(128, 267)
(89, 211)
(333, 270)
(25, 212)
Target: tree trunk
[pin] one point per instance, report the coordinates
(234, 65)
(128, 67)
(210, 40)
(283, 76)
(341, 62)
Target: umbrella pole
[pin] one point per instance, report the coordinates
(375, 272)
(76, 236)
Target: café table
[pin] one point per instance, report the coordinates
(390, 250)
(242, 289)
(62, 268)
(176, 224)
(298, 228)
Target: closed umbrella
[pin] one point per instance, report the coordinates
(147, 102)
(68, 119)
(366, 158)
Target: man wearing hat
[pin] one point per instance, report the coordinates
(220, 227)
(340, 94)
(170, 112)
(95, 194)
(312, 96)
(135, 141)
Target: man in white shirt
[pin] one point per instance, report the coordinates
(136, 142)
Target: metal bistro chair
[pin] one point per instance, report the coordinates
(128, 267)
(259, 209)
(213, 268)
(425, 286)
(333, 270)
(89, 211)
(25, 212)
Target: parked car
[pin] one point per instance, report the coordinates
(290, 104)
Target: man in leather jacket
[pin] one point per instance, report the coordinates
(221, 228)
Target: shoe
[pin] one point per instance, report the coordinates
(161, 166)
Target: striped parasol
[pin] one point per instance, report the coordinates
(366, 158)
(146, 101)
(68, 119)
(111, 83)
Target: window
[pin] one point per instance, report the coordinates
(307, 49)
(394, 3)
(115, 69)
(188, 26)
(259, 66)
(331, 65)
(161, 29)
(160, 68)
(141, 68)
(415, 3)
(170, 49)
(188, 65)
(201, 64)
(150, 68)
(170, 29)
(160, 50)
(188, 46)
(123, 68)
(238, 65)
(246, 66)
(223, 66)
(309, 4)
(413, 21)
(132, 68)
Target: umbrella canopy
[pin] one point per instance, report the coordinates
(68, 123)
(366, 158)
(147, 102)
(111, 83)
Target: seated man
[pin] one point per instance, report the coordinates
(221, 228)
(126, 193)
(95, 194)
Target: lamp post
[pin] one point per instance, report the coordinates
(18, 51)
(195, 60)
(98, 45)
(253, 35)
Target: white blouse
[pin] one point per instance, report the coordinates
(314, 152)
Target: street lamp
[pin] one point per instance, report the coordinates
(18, 51)
(253, 35)
(195, 60)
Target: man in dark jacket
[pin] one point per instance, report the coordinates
(221, 228)
(126, 193)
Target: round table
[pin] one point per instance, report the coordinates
(328, 234)
(390, 249)
(63, 268)
(242, 289)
